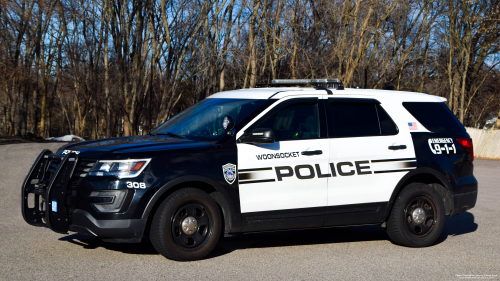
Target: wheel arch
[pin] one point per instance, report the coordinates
(205, 184)
(427, 176)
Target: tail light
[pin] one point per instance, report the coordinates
(467, 143)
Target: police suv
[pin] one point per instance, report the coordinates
(269, 158)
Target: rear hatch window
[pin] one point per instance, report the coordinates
(435, 116)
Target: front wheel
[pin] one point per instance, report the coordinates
(186, 226)
(417, 218)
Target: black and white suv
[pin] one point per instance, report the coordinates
(264, 159)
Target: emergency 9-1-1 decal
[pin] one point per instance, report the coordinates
(442, 145)
(229, 171)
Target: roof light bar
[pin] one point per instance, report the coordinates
(317, 83)
(305, 81)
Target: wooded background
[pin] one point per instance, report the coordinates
(104, 68)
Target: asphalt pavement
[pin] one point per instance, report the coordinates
(468, 249)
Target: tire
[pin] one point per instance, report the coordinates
(417, 217)
(198, 213)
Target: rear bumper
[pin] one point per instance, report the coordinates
(465, 200)
(85, 223)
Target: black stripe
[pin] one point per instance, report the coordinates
(393, 171)
(284, 216)
(329, 212)
(256, 181)
(251, 170)
(275, 94)
(354, 210)
(390, 160)
(411, 164)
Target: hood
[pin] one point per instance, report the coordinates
(135, 146)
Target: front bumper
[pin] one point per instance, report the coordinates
(85, 223)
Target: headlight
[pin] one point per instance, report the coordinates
(119, 168)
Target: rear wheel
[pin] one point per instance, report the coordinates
(417, 218)
(186, 226)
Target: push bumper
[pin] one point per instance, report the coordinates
(49, 194)
(49, 185)
(85, 223)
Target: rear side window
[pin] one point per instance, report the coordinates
(435, 116)
(360, 120)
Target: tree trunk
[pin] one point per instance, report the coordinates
(424, 68)
(106, 86)
(252, 42)
(230, 22)
(497, 125)
(43, 110)
(462, 90)
(294, 52)
(23, 113)
(34, 124)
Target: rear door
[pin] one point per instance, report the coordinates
(369, 154)
(281, 184)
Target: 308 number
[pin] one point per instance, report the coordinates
(134, 184)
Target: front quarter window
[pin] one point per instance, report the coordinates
(203, 121)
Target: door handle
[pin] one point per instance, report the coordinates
(397, 147)
(312, 152)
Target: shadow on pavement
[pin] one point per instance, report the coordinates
(247, 241)
(458, 225)
(300, 237)
(88, 242)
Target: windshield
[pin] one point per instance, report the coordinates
(203, 121)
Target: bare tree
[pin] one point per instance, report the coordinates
(104, 68)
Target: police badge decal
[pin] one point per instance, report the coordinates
(229, 171)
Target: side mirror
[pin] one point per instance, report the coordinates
(228, 123)
(259, 135)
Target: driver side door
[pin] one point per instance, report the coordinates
(284, 184)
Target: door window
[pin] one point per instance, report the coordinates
(294, 122)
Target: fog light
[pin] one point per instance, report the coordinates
(108, 201)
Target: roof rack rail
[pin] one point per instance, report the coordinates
(317, 83)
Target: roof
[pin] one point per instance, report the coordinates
(277, 93)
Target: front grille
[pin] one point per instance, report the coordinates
(83, 167)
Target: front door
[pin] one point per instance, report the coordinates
(283, 184)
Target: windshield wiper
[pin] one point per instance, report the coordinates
(170, 134)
